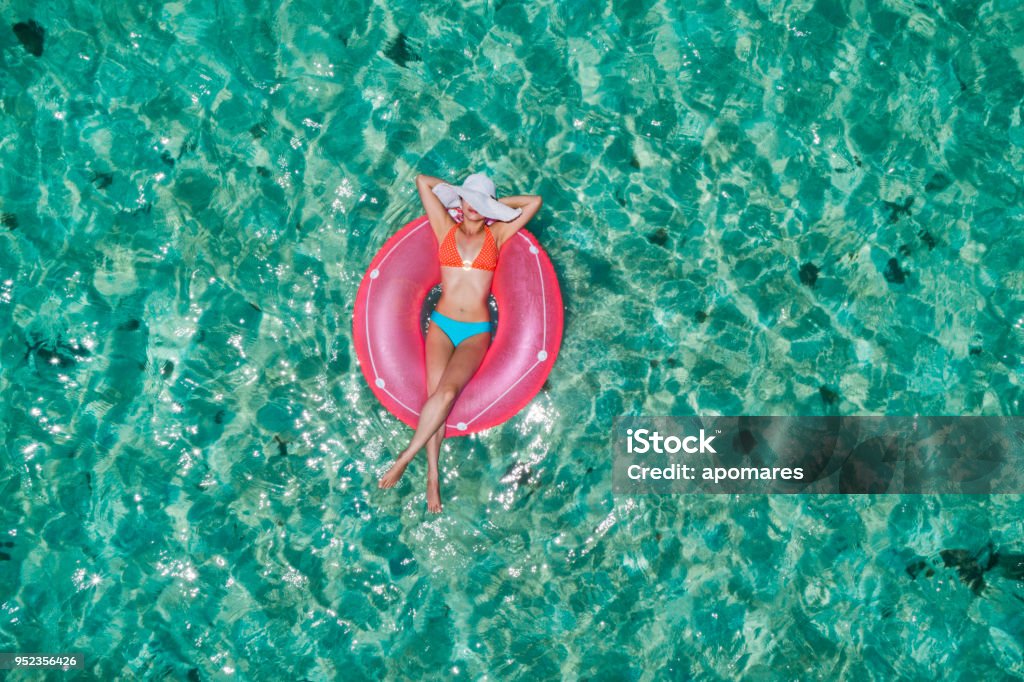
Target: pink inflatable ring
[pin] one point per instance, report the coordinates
(389, 340)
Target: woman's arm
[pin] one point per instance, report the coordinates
(437, 214)
(530, 203)
(521, 201)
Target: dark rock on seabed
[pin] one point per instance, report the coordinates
(973, 566)
(938, 183)
(894, 273)
(658, 238)
(399, 51)
(828, 396)
(898, 209)
(809, 274)
(31, 36)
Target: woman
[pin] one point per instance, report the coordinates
(460, 330)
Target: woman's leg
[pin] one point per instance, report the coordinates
(460, 369)
(437, 352)
(435, 368)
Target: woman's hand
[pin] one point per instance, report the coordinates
(436, 212)
(528, 203)
(429, 180)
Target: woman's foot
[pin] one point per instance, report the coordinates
(392, 475)
(433, 493)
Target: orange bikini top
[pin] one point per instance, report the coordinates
(487, 259)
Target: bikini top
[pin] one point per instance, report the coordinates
(487, 259)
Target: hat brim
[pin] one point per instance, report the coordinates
(486, 206)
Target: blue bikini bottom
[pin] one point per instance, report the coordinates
(459, 331)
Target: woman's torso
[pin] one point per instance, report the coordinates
(464, 291)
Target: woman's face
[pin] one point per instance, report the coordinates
(469, 211)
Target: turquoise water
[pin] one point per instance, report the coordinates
(753, 208)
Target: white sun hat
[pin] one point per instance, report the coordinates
(479, 191)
